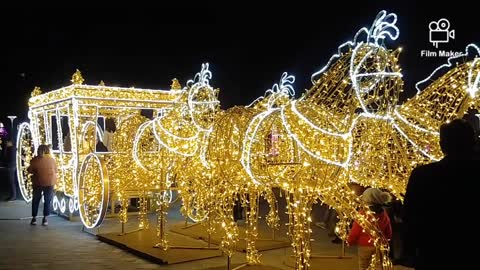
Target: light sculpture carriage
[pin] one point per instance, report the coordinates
(72, 120)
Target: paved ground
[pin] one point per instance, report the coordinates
(63, 245)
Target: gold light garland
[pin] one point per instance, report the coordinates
(348, 127)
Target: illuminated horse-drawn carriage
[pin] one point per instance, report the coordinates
(347, 128)
(73, 121)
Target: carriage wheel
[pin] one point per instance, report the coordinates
(25, 151)
(93, 191)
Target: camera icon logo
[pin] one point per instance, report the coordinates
(440, 32)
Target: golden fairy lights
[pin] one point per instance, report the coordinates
(70, 120)
(348, 127)
(25, 152)
(181, 133)
(310, 141)
(229, 176)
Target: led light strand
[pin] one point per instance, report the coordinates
(378, 32)
(476, 51)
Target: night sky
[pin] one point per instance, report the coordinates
(248, 47)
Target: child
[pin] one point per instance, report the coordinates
(376, 200)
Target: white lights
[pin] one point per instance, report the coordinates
(356, 76)
(92, 165)
(315, 155)
(202, 99)
(250, 136)
(303, 118)
(381, 27)
(283, 89)
(346, 128)
(190, 142)
(474, 80)
(94, 125)
(75, 202)
(384, 25)
(473, 83)
(71, 205)
(63, 205)
(25, 152)
(136, 141)
(55, 203)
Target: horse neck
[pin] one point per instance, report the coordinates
(443, 100)
(332, 92)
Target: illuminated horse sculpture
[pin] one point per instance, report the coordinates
(198, 148)
(448, 97)
(311, 147)
(387, 140)
(171, 148)
(386, 147)
(225, 152)
(408, 136)
(313, 135)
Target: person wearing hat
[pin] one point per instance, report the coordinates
(376, 201)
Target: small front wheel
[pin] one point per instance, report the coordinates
(93, 191)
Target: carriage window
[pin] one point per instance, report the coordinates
(64, 132)
(100, 143)
(101, 122)
(67, 140)
(148, 113)
(54, 132)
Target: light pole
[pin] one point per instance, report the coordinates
(12, 118)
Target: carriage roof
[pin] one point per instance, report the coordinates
(106, 96)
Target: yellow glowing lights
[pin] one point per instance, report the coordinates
(348, 127)
(75, 120)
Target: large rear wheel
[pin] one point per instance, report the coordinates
(25, 152)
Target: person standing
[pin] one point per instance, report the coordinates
(376, 200)
(44, 177)
(451, 181)
(11, 165)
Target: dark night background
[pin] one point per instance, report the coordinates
(248, 47)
